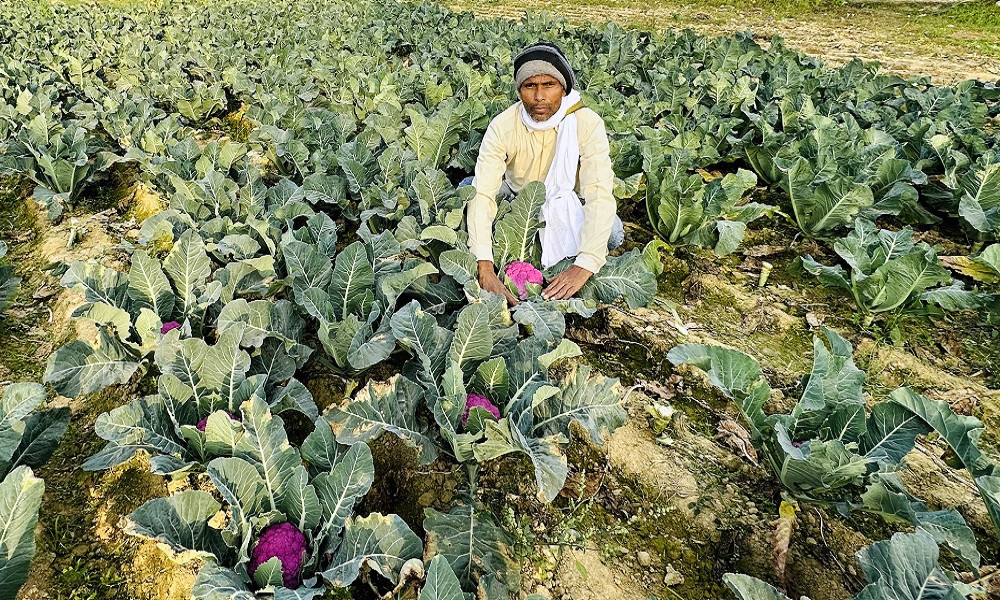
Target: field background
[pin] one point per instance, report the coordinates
(656, 518)
(948, 41)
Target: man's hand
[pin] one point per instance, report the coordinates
(489, 281)
(567, 283)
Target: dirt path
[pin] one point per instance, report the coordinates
(901, 40)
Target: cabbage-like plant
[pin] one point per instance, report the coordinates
(979, 202)
(132, 312)
(522, 279)
(834, 171)
(289, 517)
(353, 297)
(888, 271)
(61, 158)
(904, 566)
(685, 209)
(830, 450)
(482, 356)
(28, 437)
(9, 284)
(193, 417)
(20, 500)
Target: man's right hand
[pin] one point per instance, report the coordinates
(489, 281)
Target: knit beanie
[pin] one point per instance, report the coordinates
(543, 58)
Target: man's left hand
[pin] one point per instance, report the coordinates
(567, 283)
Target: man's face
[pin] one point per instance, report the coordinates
(542, 95)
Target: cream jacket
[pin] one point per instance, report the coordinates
(511, 152)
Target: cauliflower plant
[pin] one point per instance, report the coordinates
(478, 401)
(169, 326)
(288, 544)
(523, 279)
(202, 424)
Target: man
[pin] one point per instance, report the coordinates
(548, 136)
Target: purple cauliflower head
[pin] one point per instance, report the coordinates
(202, 424)
(288, 544)
(520, 274)
(478, 401)
(169, 326)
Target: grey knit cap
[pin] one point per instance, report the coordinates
(544, 58)
(537, 67)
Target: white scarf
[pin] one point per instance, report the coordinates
(562, 211)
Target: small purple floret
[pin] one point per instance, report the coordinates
(521, 274)
(284, 541)
(169, 326)
(477, 401)
(202, 424)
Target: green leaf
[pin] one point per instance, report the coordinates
(651, 256)
(432, 139)
(592, 403)
(340, 489)
(77, 368)
(820, 207)
(181, 522)
(818, 466)
(515, 233)
(188, 267)
(746, 587)
(20, 500)
(112, 317)
(470, 541)
(905, 567)
(441, 582)
(473, 339)
(887, 495)
(624, 276)
(269, 573)
(898, 281)
(393, 285)
(565, 350)
(143, 424)
(890, 433)
(547, 458)
(388, 407)
(962, 434)
(19, 399)
(40, 437)
(266, 445)
(241, 486)
(461, 265)
(541, 319)
(418, 332)
(952, 298)
(734, 373)
(351, 286)
(321, 449)
(980, 203)
(491, 379)
(149, 287)
(382, 542)
(832, 396)
(990, 258)
(215, 582)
